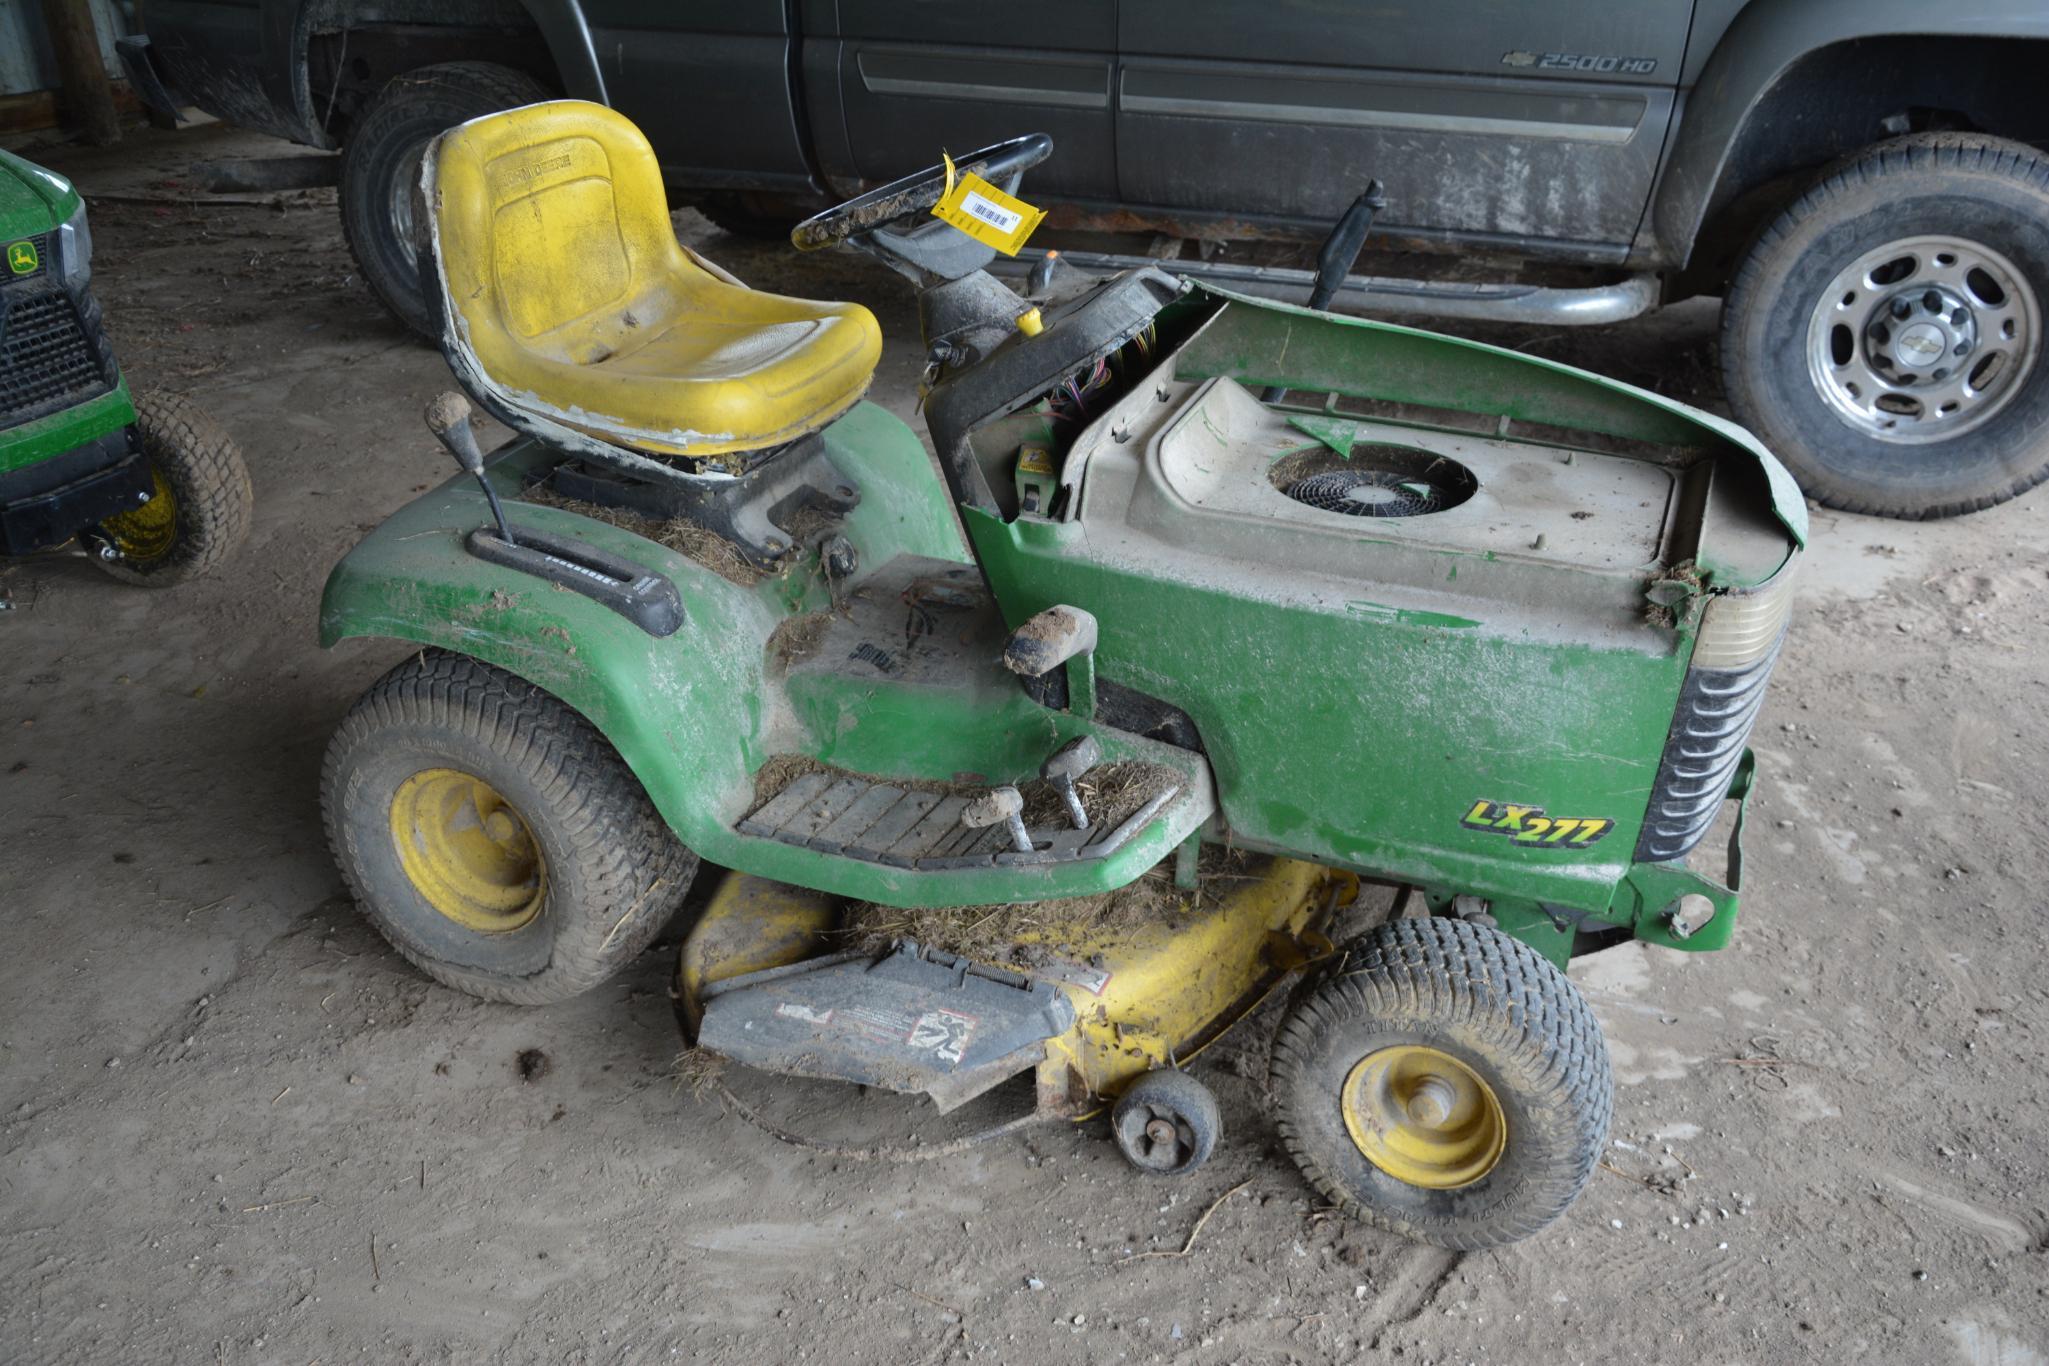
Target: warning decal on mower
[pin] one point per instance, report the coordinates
(1529, 825)
(944, 1032)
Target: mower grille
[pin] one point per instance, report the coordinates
(1368, 493)
(48, 359)
(1375, 480)
(1717, 708)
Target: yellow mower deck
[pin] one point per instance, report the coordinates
(1141, 995)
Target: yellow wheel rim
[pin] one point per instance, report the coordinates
(146, 531)
(467, 852)
(1424, 1117)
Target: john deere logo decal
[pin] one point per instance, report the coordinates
(1529, 824)
(22, 258)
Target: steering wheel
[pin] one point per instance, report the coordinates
(914, 195)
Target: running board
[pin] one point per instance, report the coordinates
(878, 822)
(1492, 302)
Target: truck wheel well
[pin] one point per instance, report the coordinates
(353, 47)
(1838, 99)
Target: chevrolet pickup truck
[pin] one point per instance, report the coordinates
(1862, 184)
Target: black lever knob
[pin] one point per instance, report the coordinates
(448, 417)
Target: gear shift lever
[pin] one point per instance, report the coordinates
(448, 417)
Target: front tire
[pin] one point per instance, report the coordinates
(381, 165)
(1884, 335)
(493, 836)
(201, 506)
(1444, 1082)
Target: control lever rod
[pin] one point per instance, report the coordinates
(1000, 806)
(1338, 254)
(1341, 249)
(448, 417)
(1067, 765)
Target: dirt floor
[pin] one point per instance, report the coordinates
(237, 1128)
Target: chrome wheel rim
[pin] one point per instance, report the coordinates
(402, 201)
(1923, 339)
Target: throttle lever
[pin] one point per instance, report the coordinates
(448, 417)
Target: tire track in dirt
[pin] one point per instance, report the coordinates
(1420, 1279)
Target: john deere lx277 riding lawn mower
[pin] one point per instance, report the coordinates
(1253, 602)
(152, 490)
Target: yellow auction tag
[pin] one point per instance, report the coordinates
(985, 213)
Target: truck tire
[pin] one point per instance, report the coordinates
(493, 836)
(381, 164)
(1884, 334)
(737, 216)
(202, 506)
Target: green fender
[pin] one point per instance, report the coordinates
(694, 715)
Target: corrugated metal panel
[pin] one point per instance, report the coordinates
(25, 61)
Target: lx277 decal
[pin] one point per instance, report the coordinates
(1529, 824)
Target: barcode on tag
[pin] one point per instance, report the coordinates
(1003, 220)
(987, 214)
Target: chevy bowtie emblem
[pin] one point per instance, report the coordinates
(23, 258)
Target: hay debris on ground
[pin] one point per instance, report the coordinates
(679, 534)
(699, 1069)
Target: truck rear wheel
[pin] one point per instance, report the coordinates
(381, 165)
(201, 506)
(493, 836)
(1884, 336)
(1444, 1082)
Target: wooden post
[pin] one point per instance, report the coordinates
(88, 94)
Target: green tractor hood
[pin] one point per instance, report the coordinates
(1321, 351)
(32, 200)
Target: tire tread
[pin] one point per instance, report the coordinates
(1478, 980)
(1847, 182)
(209, 481)
(627, 854)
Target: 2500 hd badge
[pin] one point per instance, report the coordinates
(1582, 61)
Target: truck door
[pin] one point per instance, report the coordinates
(1531, 125)
(916, 76)
(709, 82)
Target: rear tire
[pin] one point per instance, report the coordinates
(549, 868)
(1439, 1007)
(203, 502)
(381, 165)
(1804, 345)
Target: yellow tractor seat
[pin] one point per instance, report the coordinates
(567, 302)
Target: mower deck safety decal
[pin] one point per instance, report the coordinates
(1529, 825)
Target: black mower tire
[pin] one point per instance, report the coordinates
(733, 215)
(1971, 187)
(614, 871)
(1499, 1009)
(381, 162)
(1171, 1095)
(198, 464)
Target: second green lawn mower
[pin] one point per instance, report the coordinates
(1056, 754)
(151, 489)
